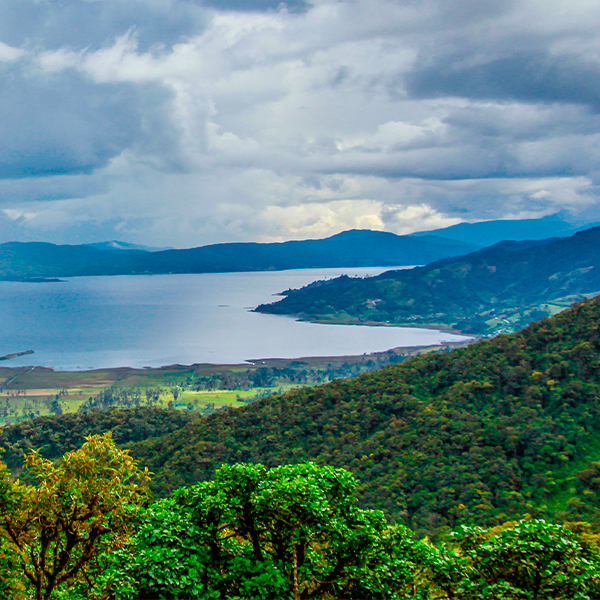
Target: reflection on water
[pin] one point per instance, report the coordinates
(155, 320)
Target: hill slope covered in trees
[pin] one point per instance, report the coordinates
(480, 435)
(503, 427)
(467, 292)
(53, 436)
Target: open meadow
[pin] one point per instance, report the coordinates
(31, 391)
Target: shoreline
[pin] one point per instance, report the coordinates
(36, 391)
(355, 322)
(123, 371)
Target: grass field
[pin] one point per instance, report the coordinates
(27, 392)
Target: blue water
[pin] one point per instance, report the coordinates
(156, 320)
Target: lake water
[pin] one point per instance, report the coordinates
(156, 320)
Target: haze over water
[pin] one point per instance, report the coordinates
(156, 320)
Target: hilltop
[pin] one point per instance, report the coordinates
(486, 233)
(509, 283)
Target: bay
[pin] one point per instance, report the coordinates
(157, 320)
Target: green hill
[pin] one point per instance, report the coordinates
(501, 428)
(54, 436)
(507, 284)
(480, 435)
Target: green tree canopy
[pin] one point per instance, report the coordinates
(526, 560)
(288, 532)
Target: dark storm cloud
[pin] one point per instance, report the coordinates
(524, 76)
(64, 124)
(481, 141)
(89, 24)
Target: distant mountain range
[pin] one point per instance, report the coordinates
(487, 233)
(356, 248)
(499, 288)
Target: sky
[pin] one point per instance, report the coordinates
(179, 123)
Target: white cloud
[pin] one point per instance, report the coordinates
(176, 125)
(16, 214)
(9, 54)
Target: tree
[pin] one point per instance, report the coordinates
(526, 560)
(53, 532)
(175, 392)
(288, 532)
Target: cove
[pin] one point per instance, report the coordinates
(157, 320)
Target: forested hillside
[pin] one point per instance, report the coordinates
(53, 436)
(480, 435)
(473, 293)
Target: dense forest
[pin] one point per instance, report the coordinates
(501, 428)
(85, 529)
(53, 436)
(468, 292)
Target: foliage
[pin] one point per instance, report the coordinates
(289, 532)
(55, 436)
(54, 532)
(164, 558)
(521, 561)
(479, 435)
(292, 532)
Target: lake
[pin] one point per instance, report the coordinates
(157, 320)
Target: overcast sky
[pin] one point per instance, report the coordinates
(182, 123)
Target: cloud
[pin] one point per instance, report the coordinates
(180, 122)
(64, 123)
(522, 76)
(257, 5)
(89, 24)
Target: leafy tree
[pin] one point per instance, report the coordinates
(289, 532)
(54, 532)
(526, 560)
(164, 558)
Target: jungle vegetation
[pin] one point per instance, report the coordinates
(480, 435)
(86, 529)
